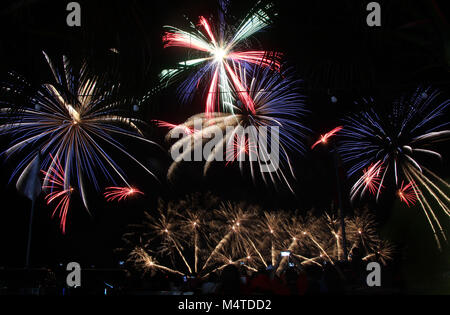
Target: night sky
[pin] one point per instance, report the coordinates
(327, 42)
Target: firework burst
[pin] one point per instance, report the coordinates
(241, 147)
(75, 120)
(120, 193)
(370, 181)
(407, 193)
(216, 52)
(165, 124)
(273, 130)
(389, 145)
(325, 138)
(201, 242)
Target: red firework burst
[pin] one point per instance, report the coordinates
(55, 182)
(240, 146)
(372, 177)
(408, 193)
(120, 193)
(165, 124)
(324, 138)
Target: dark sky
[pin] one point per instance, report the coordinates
(327, 42)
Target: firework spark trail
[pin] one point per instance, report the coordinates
(140, 258)
(363, 242)
(240, 147)
(428, 211)
(230, 262)
(326, 255)
(218, 247)
(196, 250)
(339, 251)
(433, 187)
(257, 251)
(120, 193)
(216, 269)
(217, 56)
(372, 178)
(62, 207)
(320, 248)
(240, 90)
(424, 181)
(284, 260)
(55, 175)
(369, 181)
(165, 124)
(407, 194)
(333, 225)
(430, 189)
(212, 94)
(164, 226)
(194, 142)
(383, 252)
(270, 228)
(361, 229)
(306, 260)
(439, 180)
(324, 138)
(193, 222)
(273, 253)
(181, 254)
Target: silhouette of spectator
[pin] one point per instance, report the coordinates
(278, 286)
(260, 283)
(291, 279)
(230, 281)
(332, 280)
(210, 286)
(357, 266)
(314, 274)
(302, 283)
